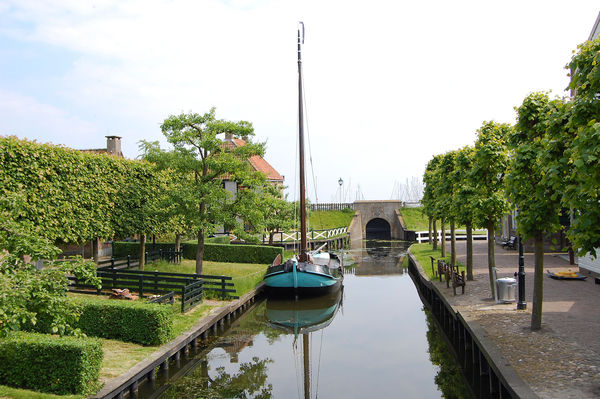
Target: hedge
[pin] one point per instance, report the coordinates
(212, 251)
(49, 363)
(139, 322)
(132, 248)
(234, 253)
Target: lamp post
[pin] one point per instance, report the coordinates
(521, 304)
(340, 182)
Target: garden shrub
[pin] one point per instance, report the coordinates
(212, 251)
(49, 363)
(131, 321)
(234, 253)
(132, 248)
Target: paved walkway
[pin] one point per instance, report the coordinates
(563, 359)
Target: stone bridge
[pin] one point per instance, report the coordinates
(377, 220)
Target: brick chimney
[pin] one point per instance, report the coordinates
(113, 145)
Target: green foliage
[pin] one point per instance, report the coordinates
(582, 188)
(130, 321)
(49, 363)
(34, 299)
(423, 252)
(235, 253)
(527, 187)
(249, 382)
(212, 251)
(131, 248)
(218, 240)
(490, 161)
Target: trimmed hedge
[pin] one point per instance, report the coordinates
(49, 363)
(132, 248)
(212, 251)
(234, 253)
(139, 322)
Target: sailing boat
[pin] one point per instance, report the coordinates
(309, 273)
(304, 317)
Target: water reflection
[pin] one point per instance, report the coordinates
(379, 343)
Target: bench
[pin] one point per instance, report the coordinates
(511, 243)
(452, 275)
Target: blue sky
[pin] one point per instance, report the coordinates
(389, 83)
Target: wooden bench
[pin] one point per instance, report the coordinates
(511, 243)
(452, 275)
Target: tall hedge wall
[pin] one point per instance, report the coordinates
(48, 363)
(212, 251)
(139, 322)
(124, 248)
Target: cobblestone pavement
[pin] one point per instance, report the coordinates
(562, 360)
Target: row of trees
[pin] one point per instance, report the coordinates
(548, 163)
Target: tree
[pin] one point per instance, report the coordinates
(200, 154)
(447, 183)
(537, 202)
(490, 161)
(463, 205)
(278, 214)
(582, 153)
(34, 299)
(430, 199)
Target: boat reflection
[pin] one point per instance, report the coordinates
(304, 316)
(301, 316)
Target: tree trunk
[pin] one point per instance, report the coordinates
(430, 231)
(491, 255)
(435, 235)
(443, 239)
(177, 242)
(200, 251)
(452, 244)
(538, 282)
(142, 251)
(469, 251)
(96, 249)
(271, 235)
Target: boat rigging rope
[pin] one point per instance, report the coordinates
(297, 367)
(319, 365)
(312, 168)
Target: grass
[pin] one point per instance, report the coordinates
(9, 392)
(245, 275)
(415, 219)
(423, 252)
(322, 220)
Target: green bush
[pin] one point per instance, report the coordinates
(234, 253)
(49, 363)
(213, 251)
(124, 248)
(139, 322)
(214, 240)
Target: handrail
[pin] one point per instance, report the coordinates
(312, 234)
(422, 236)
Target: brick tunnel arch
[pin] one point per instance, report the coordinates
(378, 229)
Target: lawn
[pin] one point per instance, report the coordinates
(322, 220)
(415, 219)
(246, 276)
(423, 252)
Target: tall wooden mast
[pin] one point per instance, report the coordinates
(303, 244)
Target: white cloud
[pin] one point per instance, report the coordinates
(388, 83)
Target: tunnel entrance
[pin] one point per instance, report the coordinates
(378, 229)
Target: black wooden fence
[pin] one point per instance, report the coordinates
(190, 286)
(128, 261)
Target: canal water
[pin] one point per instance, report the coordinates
(372, 339)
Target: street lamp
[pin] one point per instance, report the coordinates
(340, 182)
(521, 304)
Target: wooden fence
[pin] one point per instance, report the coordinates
(190, 286)
(128, 261)
(281, 237)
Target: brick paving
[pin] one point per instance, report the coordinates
(562, 360)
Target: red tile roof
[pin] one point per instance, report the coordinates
(260, 164)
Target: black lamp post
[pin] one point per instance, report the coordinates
(340, 182)
(521, 304)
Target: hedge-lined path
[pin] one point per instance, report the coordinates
(563, 359)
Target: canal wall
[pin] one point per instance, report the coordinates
(145, 371)
(484, 367)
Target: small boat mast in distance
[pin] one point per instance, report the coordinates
(310, 273)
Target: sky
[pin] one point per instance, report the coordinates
(388, 83)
